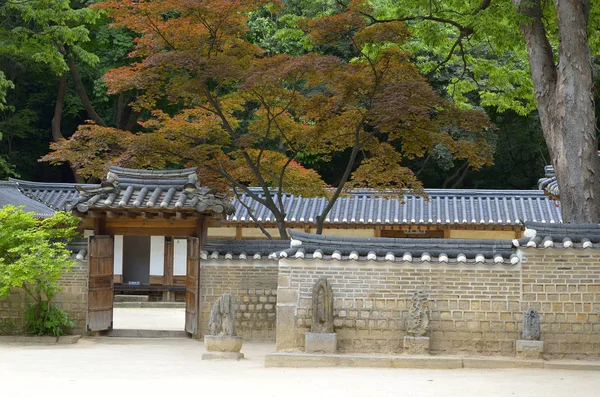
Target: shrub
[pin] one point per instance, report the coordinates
(33, 257)
(45, 319)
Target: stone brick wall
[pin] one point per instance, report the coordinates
(475, 309)
(253, 283)
(564, 286)
(72, 298)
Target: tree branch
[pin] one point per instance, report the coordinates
(247, 207)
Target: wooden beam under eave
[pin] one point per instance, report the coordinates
(147, 215)
(112, 214)
(165, 215)
(180, 215)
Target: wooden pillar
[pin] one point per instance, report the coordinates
(100, 225)
(377, 232)
(238, 232)
(201, 230)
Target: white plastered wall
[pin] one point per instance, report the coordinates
(179, 256)
(118, 261)
(157, 255)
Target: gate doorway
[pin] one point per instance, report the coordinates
(138, 209)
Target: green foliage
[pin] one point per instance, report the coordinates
(33, 253)
(8, 327)
(42, 318)
(5, 85)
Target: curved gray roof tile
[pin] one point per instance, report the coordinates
(444, 207)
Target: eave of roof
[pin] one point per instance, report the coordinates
(443, 251)
(10, 195)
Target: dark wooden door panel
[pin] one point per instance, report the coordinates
(191, 285)
(100, 284)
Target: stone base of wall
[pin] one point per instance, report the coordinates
(254, 286)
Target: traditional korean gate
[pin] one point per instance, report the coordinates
(100, 284)
(191, 285)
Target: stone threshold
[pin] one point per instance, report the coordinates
(305, 360)
(39, 340)
(145, 333)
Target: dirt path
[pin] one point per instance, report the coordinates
(126, 367)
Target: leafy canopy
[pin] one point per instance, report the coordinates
(33, 253)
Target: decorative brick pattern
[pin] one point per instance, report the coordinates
(470, 307)
(564, 287)
(474, 309)
(72, 298)
(254, 286)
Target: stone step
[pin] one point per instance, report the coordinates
(131, 298)
(146, 333)
(151, 305)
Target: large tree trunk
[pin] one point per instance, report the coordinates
(57, 134)
(564, 95)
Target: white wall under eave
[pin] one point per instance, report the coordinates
(179, 256)
(157, 255)
(118, 262)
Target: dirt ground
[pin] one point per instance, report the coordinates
(145, 318)
(173, 367)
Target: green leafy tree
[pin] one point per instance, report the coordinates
(519, 55)
(33, 257)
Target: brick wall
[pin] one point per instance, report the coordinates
(564, 286)
(72, 298)
(475, 309)
(253, 284)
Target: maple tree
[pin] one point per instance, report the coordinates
(247, 117)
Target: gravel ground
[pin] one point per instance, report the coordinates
(173, 367)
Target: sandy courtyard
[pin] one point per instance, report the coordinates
(171, 367)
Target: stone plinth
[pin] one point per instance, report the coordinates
(222, 356)
(228, 344)
(321, 342)
(416, 345)
(530, 349)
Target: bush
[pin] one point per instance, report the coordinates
(45, 319)
(33, 257)
(8, 327)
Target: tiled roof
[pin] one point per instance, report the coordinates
(538, 235)
(398, 250)
(53, 195)
(79, 247)
(10, 195)
(445, 207)
(549, 183)
(150, 191)
(243, 249)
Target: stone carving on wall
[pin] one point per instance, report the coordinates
(418, 317)
(531, 325)
(322, 306)
(222, 316)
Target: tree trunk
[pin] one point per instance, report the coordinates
(58, 108)
(57, 118)
(564, 94)
(80, 88)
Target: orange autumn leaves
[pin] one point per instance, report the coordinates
(213, 99)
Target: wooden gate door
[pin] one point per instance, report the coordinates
(100, 284)
(191, 285)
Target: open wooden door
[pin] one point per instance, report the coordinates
(192, 285)
(100, 285)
